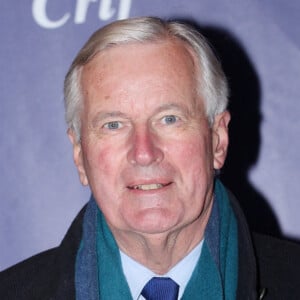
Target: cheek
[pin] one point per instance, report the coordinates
(195, 163)
(100, 161)
(193, 153)
(105, 159)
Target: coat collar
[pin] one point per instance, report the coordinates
(248, 288)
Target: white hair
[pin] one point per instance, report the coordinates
(211, 81)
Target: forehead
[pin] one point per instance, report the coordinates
(160, 57)
(140, 74)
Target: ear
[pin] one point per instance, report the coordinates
(220, 139)
(78, 157)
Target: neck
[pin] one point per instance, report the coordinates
(161, 251)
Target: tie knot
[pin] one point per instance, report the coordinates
(160, 288)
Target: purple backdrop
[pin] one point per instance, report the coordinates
(40, 192)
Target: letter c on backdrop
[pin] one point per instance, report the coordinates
(39, 13)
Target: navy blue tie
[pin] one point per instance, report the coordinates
(160, 288)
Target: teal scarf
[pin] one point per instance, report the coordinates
(99, 272)
(215, 276)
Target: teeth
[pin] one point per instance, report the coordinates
(146, 187)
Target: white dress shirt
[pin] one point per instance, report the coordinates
(138, 275)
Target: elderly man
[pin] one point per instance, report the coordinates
(146, 111)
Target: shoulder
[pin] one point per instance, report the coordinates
(48, 275)
(278, 263)
(30, 278)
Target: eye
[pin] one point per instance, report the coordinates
(113, 125)
(170, 119)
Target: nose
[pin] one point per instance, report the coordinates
(144, 149)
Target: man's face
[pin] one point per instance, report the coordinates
(147, 151)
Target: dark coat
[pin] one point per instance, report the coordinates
(268, 268)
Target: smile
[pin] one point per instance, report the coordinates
(148, 187)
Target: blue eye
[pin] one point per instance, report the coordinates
(171, 119)
(113, 125)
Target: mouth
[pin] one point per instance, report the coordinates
(148, 187)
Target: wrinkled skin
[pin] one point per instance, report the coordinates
(147, 151)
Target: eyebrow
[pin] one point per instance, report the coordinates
(106, 115)
(175, 106)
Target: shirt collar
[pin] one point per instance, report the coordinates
(138, 275)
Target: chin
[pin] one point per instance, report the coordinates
(154, 221)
